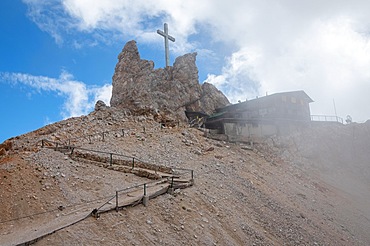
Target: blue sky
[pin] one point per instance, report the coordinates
(58, 56)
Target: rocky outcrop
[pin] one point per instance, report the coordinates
(5, 146)
(212, 99)
(139, 87)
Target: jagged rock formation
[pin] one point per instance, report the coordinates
(139, 87)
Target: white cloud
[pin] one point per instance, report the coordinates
(238, 80)
(329, 60)
(49, 17)
(103, 93)
(321, 47)
(79, 99)
(127, 18)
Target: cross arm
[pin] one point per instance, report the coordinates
(166, 35)
(161, 33)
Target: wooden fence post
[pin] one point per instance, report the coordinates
(116, 201)
(145, 198)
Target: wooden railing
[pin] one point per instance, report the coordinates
(327, 118)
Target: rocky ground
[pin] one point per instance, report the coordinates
(286, 191)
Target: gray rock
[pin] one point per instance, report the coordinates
(100, 105)
(169, 91)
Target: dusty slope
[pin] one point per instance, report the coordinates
(273, 196)
(341, 155)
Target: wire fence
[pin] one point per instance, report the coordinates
(173, 176)
(110, 158)
(102, 136)
(166, 178)
(140, 192)
(60, 208)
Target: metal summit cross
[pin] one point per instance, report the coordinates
(166, 38)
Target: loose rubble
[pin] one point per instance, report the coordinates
(240, 197)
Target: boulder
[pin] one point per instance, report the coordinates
(100, 105)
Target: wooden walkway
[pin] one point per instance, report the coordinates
(31, 229)
(134, 197)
